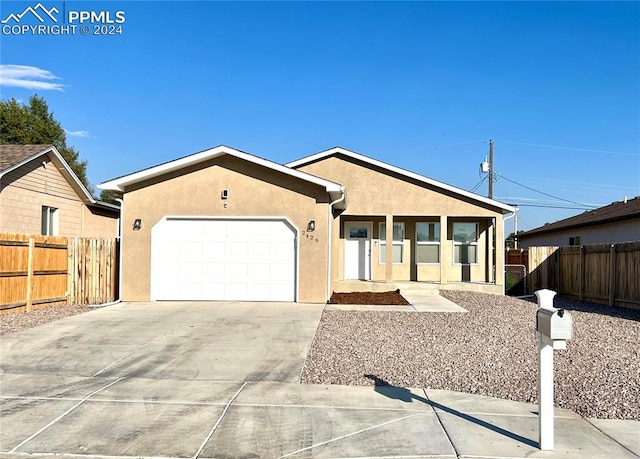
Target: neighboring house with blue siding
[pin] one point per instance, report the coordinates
(611, 224)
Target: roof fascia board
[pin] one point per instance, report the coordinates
(61, 163)
(119, 184)
(398, 170)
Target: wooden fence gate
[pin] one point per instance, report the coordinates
(39, 271)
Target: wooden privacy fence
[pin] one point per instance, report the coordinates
(599, 273)
(93, 270)
(38, 271)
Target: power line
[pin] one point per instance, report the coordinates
(550, 206)
(542, 192)
(539, 201)
(477, 185)
(572, 148)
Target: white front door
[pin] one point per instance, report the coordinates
(357, 250)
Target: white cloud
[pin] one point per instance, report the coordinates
(77, 133)
(28, 77)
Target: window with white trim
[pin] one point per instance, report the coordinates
(49, 222)
(465, 243)
(398, 243)
(427, 242)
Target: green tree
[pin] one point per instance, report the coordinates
(33, 123)
(510, 240)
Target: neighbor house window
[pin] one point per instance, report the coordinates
(398, 243)
(465, 243)
(49, 223)
(575, 240)
(427, 242)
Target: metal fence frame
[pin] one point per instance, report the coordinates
(514, 270)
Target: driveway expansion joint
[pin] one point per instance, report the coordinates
(34, 435)
(224, 412)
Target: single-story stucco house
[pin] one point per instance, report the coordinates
(40, 194)
(223, 224)
(611, 224)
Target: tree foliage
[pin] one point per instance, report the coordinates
(34, 124)
(510, 241)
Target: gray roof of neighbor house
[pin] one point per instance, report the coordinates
(14, 156)
(616, 211)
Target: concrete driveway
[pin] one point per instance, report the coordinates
(219, 380)
(183, 341)
(177, 365)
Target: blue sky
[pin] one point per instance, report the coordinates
(421, 85)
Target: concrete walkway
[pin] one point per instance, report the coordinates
(220, 381)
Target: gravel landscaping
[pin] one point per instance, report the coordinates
(18, 321)
(489, 351)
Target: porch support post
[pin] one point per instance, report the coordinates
(445, 255)
(500, 252)
(389, 259)
(490, 251)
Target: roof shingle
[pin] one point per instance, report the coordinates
(622, 210)
(10, 155)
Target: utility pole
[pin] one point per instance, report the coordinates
(515, 229)
(490, 169)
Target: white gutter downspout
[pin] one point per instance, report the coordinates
(330, 242)
(504, 232)
(119, 299)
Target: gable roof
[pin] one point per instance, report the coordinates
(397, 170)
(616, 211)
(13, 157)
(118, 184)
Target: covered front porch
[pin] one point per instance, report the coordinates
(439, 252)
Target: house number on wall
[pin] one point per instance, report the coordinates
(310, 236)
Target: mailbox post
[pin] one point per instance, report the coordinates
(553, 328)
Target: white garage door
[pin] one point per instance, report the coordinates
(234, 260)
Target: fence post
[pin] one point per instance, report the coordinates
(558, 274)
(582, 272)
(32, 244)
(612, 275)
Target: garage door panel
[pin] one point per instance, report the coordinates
(213, 290)
(261, 249)
(215, 249)
(238, 290)
(279, 272)
(237, 271)
(199, 259)
(239, 249)
(260, 271)
(190, 270)
(214, 270)
(280, 289)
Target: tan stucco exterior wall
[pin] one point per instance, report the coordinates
(253, 191)
(373, 194)
(25, 190)
(97, 224)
